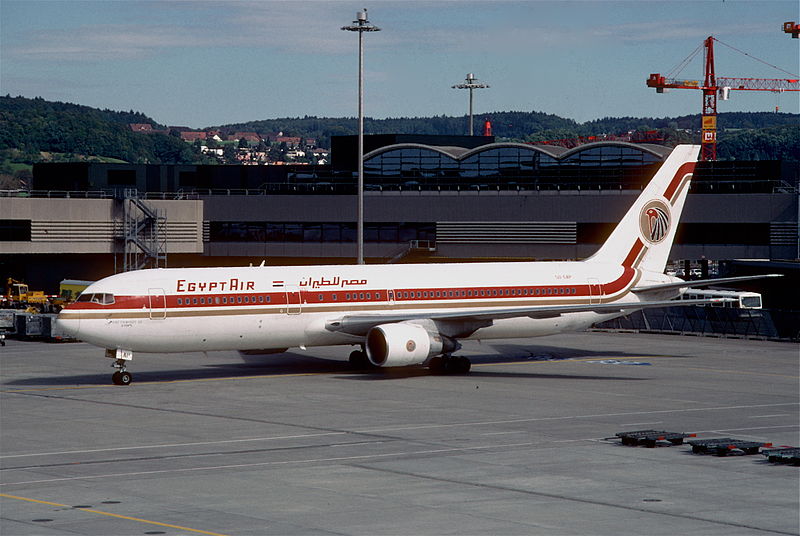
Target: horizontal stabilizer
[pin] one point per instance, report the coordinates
(700, 283)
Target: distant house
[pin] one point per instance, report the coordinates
(146, 128)
(247, 136)
(192, 136)
(290, 141)
(271, 137)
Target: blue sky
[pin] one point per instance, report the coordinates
(204, 63)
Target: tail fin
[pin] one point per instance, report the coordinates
(643, 238)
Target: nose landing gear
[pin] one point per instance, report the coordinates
(120, 357)
(122, 376)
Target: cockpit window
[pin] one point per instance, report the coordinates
(102, 298)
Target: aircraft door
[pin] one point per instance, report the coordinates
(595, 290)
(157, 301)
(390, 296)
(294, 301)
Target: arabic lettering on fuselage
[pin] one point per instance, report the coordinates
(336, 281)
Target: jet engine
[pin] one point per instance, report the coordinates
(397, 345)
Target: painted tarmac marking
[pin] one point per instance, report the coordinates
(402, 428)
(769, 416)
(568, 417)
(274, 463)
(169, 445)
(119, 516)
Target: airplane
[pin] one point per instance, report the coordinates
(399, 315)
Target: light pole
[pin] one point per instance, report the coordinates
(361, 25)
(470, 83)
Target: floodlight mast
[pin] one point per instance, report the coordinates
(470, 83)
(361, 25)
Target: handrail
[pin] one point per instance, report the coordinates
(776, 186)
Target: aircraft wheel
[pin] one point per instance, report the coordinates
(358, 359)
(458, 365)
(437, 365)
(122, 378)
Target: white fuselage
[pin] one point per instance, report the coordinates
(199, 309)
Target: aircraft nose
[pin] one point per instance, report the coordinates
(68, 324)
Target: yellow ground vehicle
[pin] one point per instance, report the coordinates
(69, 289)
(18, 292)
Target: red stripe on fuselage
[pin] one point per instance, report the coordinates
(400, 295)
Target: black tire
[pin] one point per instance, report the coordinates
(464, 365)
(358, 359)
(437, 365)
(115, 378)
(125, 378)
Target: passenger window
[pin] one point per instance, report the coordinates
(194, 301)
(269, 298)
(224, 299)
(238, 299)
(334, 297)
(180, 301)
(320, 297)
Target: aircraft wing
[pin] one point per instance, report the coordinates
(700, 283)
(360, 324)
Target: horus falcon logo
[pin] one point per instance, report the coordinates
(654, 221)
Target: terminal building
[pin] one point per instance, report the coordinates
(427, 199)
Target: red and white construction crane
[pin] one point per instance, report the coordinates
(712, 86)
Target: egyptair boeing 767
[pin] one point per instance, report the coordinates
(398, 315)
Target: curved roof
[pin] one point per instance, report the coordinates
(553, 151)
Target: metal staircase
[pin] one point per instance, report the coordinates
(145, 233)
(414, 246)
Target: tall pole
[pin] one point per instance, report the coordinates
(470, 83)
(360, 25)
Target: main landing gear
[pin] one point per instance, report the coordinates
(358, 360)
(449, 364)
(122, 376)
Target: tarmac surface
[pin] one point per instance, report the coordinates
(298, 443)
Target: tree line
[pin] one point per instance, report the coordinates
(30, 127)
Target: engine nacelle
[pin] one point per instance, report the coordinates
(397, 345)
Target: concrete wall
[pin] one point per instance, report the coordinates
(94, 225)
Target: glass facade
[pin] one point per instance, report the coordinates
(507, 166)
(318, 232)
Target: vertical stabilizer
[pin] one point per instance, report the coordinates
(643, 238)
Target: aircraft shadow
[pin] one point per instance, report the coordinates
(290, 363)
